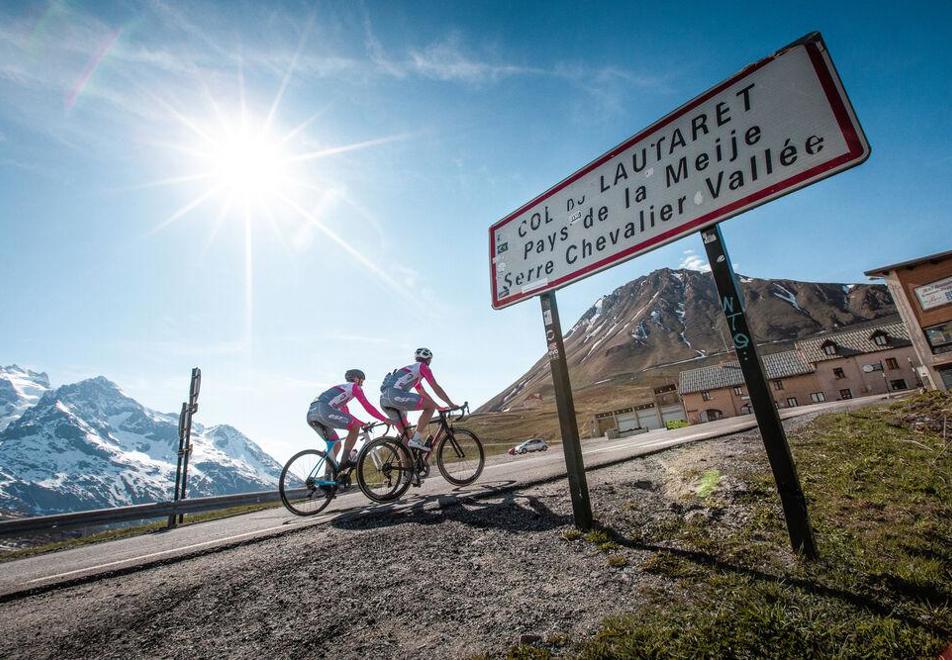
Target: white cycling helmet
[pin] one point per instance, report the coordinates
(423, 355)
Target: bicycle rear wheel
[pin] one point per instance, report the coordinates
(305, 483)
(460, 456)
(383, 469)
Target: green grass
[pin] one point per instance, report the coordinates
(127, 532)
(709, 482)
(879, 490)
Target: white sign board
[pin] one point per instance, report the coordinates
(934, 294)
(780, 124)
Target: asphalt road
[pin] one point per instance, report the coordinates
(501, 473)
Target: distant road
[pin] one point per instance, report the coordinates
(501, 472)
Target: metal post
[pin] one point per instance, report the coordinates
(578, 486)
(192, 408)
(771, 429)
(178, 468)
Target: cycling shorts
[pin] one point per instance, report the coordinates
(401, 399)
(324, 418)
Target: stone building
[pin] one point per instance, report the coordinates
(831, 367)
(922, 291)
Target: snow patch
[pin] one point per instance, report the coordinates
(787, 296)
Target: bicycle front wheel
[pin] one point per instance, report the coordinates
(460, 457)
(306, 483)
(384, 468)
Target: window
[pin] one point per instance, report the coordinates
(817, 397)
(829, 348)
(846, 394)
(940, 337)
(891, 363)
(838, 373)
(738, 390)
(777, 384)
(791, 402)
(880, 339)
(898, 384)
(706, 396)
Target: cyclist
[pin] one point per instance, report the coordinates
(329, 411)
(396, 394)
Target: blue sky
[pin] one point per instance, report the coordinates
(407, 128)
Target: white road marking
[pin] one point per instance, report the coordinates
(157, 554)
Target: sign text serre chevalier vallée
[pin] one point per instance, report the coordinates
(780, 124)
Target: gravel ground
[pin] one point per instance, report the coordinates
(445, 577)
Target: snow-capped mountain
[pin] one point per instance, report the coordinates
(88, 445)
(670, 316)
(19, 389)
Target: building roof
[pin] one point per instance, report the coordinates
(853, 342)
(884, 270)
(728, 374)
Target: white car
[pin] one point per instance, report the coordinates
(532, 444)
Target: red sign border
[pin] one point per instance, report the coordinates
(858, 152)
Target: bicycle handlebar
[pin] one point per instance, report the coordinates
(463, 409)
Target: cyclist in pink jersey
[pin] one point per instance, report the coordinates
(329, 411)
(395, 394)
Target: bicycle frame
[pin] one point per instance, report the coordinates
(363, 439)
(444, 423)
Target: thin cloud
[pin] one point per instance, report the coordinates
(692, 261)
(446, 60)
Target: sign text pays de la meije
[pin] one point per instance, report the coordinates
(781, 124)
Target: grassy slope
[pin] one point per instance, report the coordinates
(880, 498)
(511, 428)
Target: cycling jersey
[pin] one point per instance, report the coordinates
(340, 395)
(330, 408)
(407, 378)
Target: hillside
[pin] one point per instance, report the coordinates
(671, 319)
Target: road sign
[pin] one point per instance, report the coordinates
(779, 125)
(935, 294)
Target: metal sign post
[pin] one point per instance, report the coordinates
(578, 485)
(193, 389)
(181, 452)
(189, 408)
(771, 429)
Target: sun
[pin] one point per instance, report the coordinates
(247, 164)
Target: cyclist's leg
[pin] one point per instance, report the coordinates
(426, 406)
(329, 436)
(393, 407)
(349, 443)
(342, 420)
(426, 414)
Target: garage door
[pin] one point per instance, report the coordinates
(673, 413)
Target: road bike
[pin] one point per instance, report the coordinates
(312, 478)
(387, 466)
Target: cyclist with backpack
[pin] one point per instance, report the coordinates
(329, 411)
(395, 393)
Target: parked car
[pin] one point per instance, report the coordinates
(532, 444)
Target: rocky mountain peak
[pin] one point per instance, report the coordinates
(673, 316)
(89, 445)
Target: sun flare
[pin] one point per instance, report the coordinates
(247, 164)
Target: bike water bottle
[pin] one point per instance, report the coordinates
(353, 456)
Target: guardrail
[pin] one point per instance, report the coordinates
(136, 512)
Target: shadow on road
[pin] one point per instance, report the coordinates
(506, 510)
